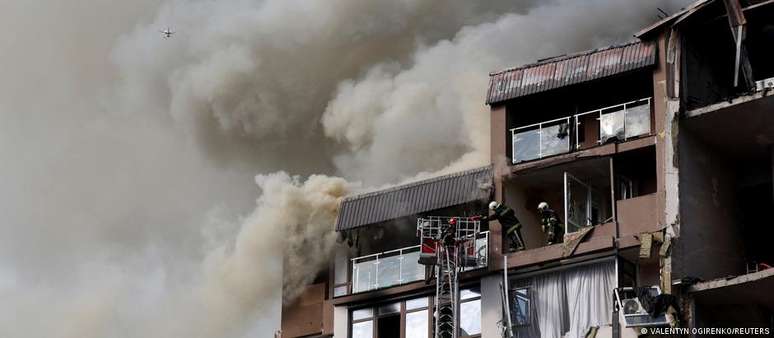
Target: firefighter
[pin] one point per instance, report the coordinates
(511, 225)
(550, 224)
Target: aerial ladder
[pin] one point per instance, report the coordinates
(449, 245)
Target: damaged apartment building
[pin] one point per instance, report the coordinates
(656, 156)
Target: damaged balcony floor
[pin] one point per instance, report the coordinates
(749, 289)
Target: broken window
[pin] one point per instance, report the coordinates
(541, 140)
(624, 121)
(611, 125)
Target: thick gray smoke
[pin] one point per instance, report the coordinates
(128, 186)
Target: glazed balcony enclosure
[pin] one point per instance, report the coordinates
(616, 123)
(380, 247)
(401, 266)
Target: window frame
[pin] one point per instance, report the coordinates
(513, 291)
(470, 300)
(347, 285)
(402, 312)
(353, 321)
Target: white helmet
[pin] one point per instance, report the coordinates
(493, 205)
(542, 206)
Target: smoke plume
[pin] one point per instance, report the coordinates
(150, 187)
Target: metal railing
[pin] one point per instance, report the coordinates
(387, 268)
(541, 139)
(482, 247)
(618, 122)
(400, 266)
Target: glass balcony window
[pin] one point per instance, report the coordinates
(541, 140)
(610, 124)
(616, 123)
(526, 146)
(637, 121)
(401, 266)
(386, 269)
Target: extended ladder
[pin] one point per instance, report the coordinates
(453, 240)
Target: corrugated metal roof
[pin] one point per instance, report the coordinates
(413, 198)
(566, 70)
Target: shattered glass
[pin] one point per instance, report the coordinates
(637, 119)
(555, 139)
(611, 125)
(538, 143)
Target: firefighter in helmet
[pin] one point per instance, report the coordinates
(550, 224)
(511, 225)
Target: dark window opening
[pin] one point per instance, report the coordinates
(755, 205)
(635, 173)
(389, 326)
(760, 41)
(709, 55)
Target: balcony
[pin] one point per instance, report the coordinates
(400, 266)
(614, 123)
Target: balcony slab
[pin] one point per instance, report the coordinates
(594, 152)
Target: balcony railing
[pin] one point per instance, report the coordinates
(619, 122)
(400, 266)
(541, 139)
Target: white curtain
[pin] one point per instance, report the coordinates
(589, 301)
(550, 305)
(567, 303)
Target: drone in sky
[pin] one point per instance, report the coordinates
(167, 33)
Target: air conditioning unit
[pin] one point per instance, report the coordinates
(631, 311)
(764, 84)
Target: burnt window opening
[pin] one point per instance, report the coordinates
(759, 41)
(754, 214)
(710, 54)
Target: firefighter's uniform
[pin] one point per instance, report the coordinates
(551, 228)
(510, 224)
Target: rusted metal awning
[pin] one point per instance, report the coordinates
(567, 70)
(414, 198)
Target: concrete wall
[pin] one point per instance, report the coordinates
(498, 148)
(636, 215)
(340, 322)
(516, 197)
(305, 316)
(491, 309)
(710, 242)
